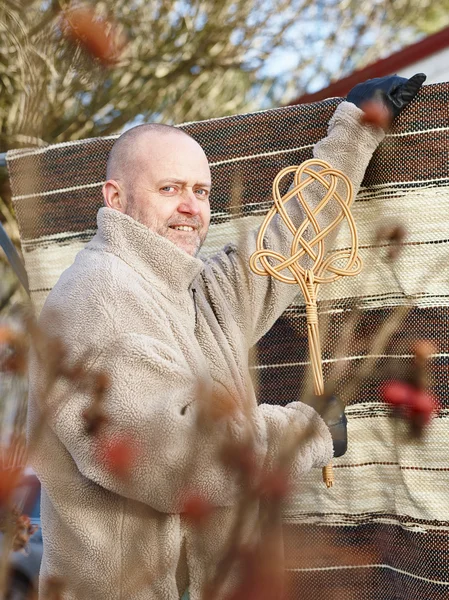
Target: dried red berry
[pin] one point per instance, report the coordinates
(9, 480)
(423, 349)
(24, 530)
(118, 454)
(101, 39)
(424, 405)
(196, 508)
(397, 393)
(11, 469)
(14, 346)
(376, 112)
(414, 404)
(7, 335)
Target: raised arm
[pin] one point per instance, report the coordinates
(258, 301)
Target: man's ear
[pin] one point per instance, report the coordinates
(114, 196)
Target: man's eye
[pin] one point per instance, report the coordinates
(168, 188)
(202, 193)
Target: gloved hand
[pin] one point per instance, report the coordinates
(332, 411)
(335, 419)
(394, 91)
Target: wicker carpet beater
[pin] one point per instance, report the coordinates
(322, 267)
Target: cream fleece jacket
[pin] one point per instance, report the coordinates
(158, 319)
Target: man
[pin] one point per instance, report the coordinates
(160, 320)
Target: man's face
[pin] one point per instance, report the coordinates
(169, 192)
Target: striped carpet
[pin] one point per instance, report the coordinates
(383, 530)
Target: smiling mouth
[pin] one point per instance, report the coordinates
(187, 228)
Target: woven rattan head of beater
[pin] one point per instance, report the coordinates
(325, 268)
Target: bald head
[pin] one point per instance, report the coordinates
(160, 176)
(124, 156)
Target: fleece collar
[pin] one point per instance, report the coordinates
(154, 257)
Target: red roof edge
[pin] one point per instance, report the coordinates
(426, 47)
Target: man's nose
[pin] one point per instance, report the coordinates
(190, 203)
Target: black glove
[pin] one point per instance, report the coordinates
(396, 92)
(332, 411)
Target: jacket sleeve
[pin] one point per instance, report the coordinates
(152, 404)
(258, 301)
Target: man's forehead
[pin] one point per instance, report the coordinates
(173, 157)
